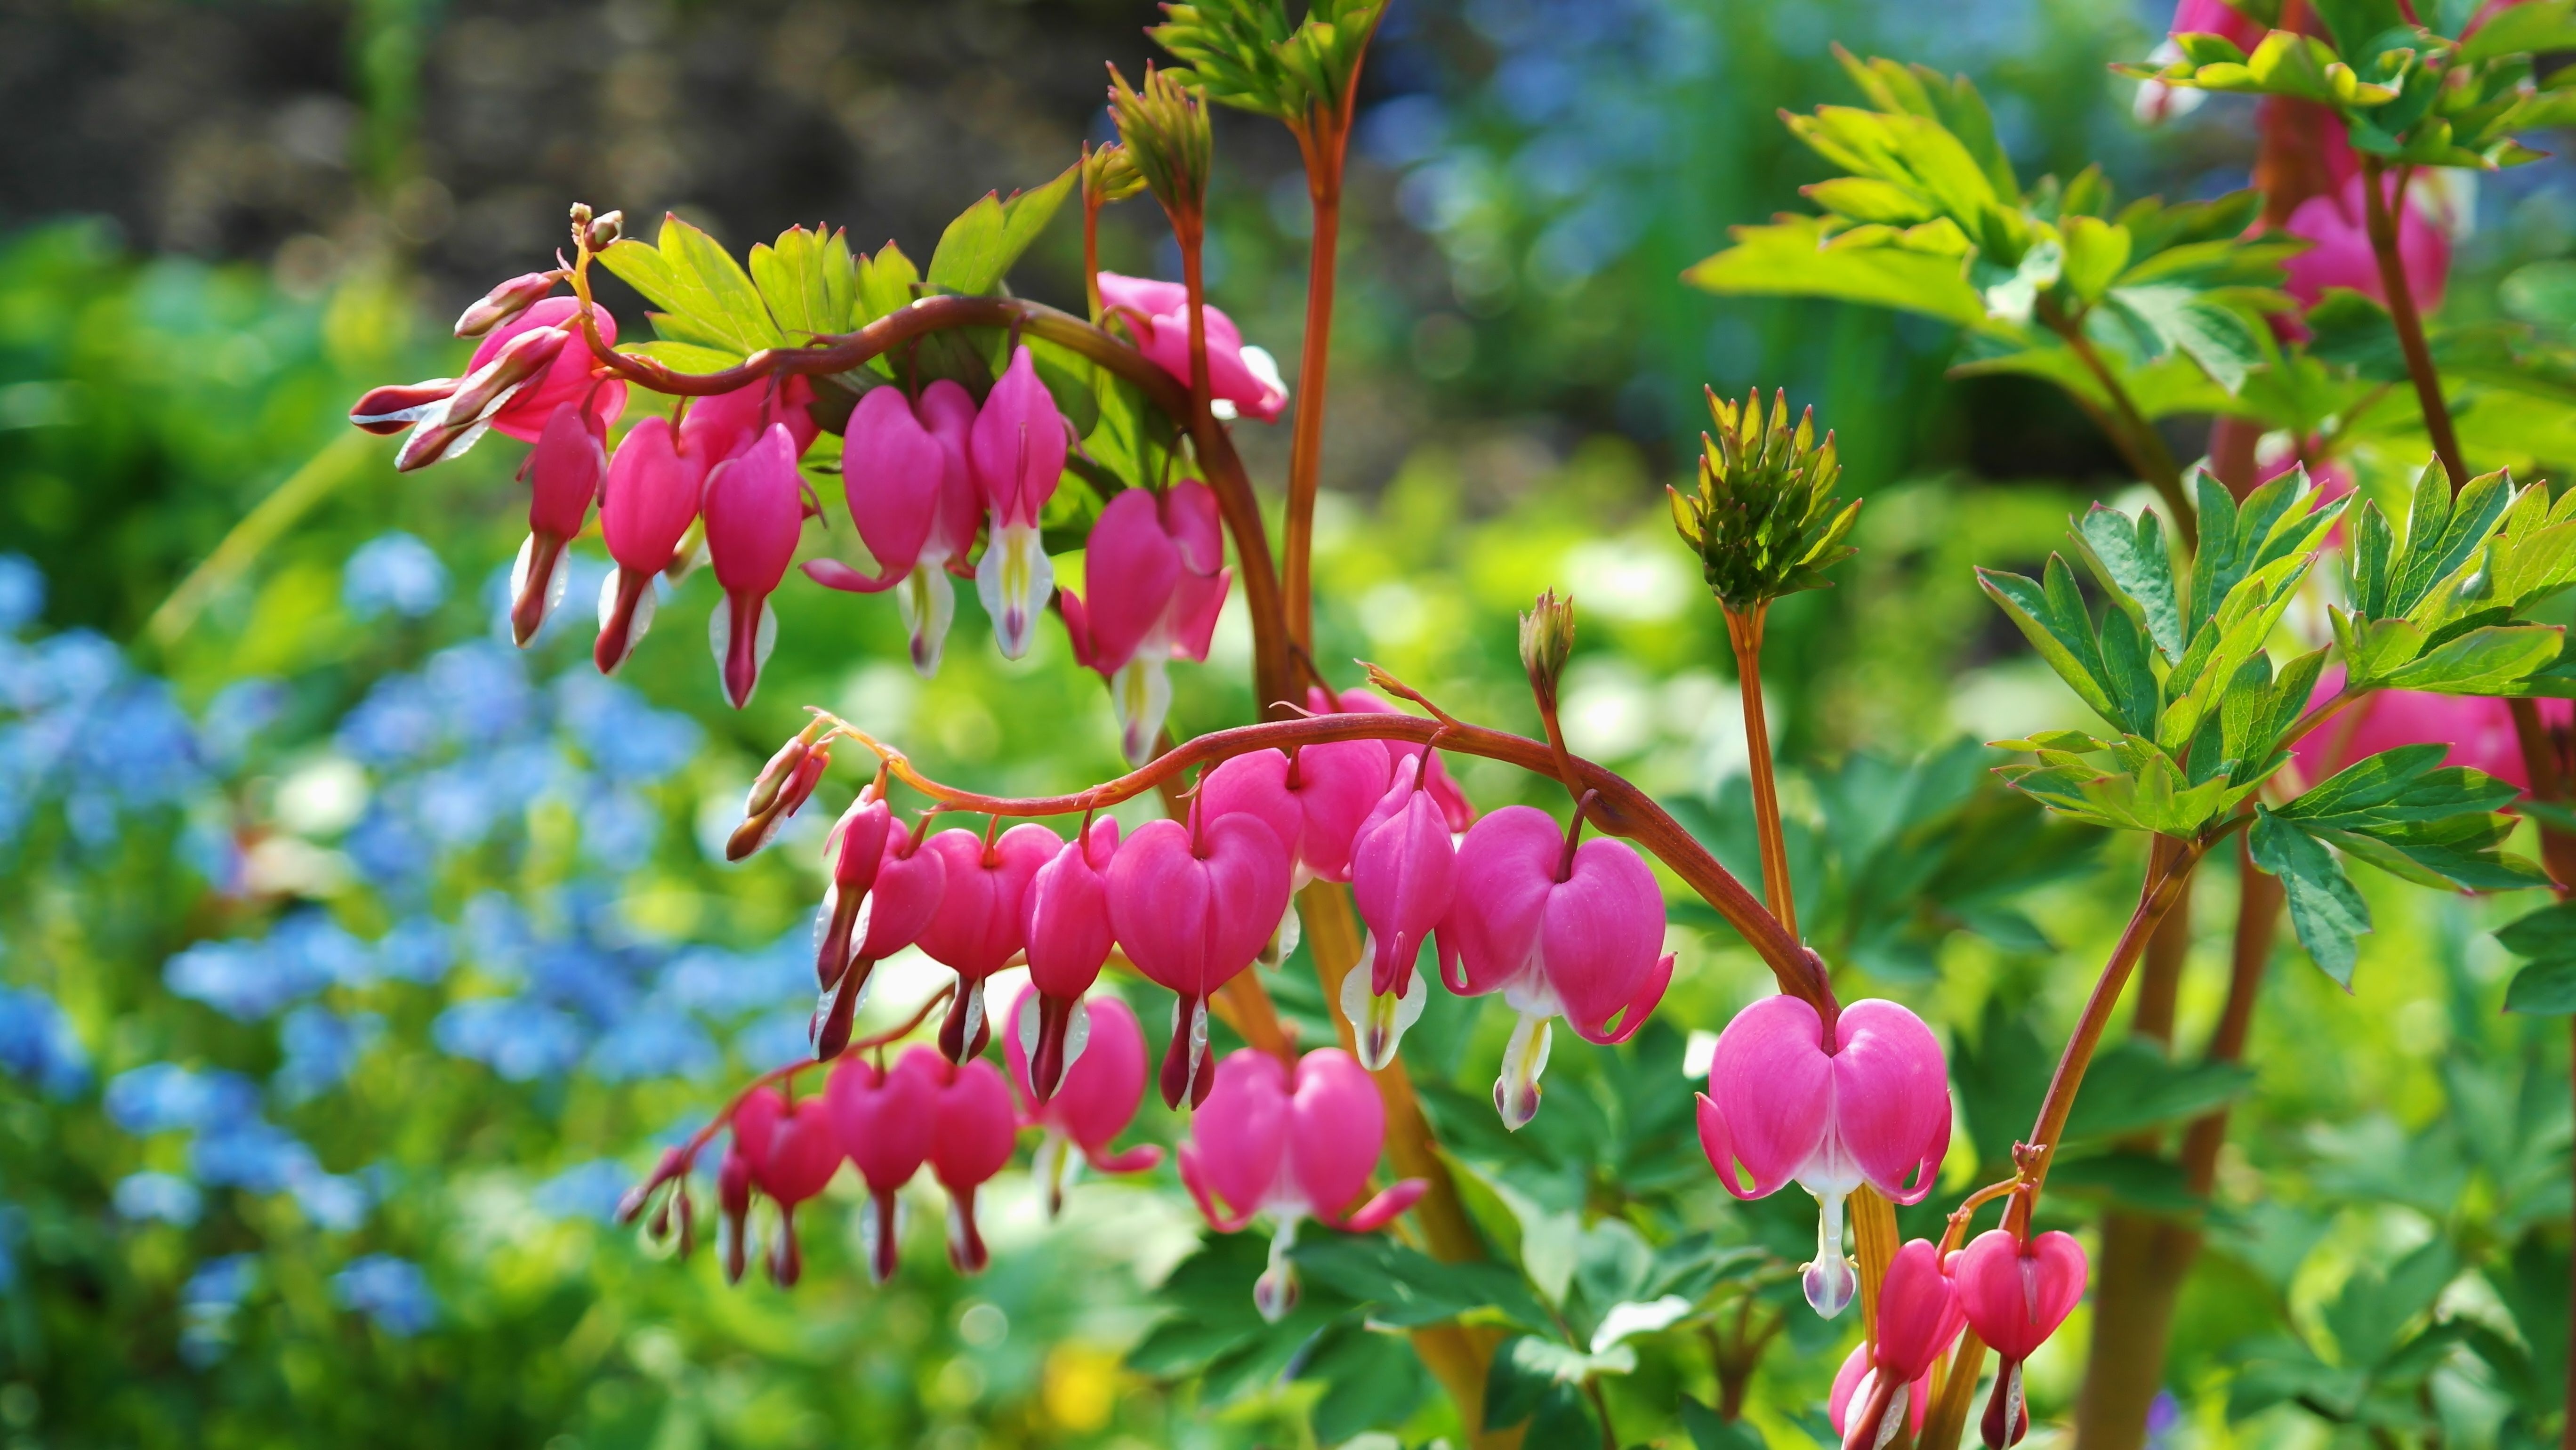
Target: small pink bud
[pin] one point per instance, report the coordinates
(972, 1141)
(886, 1122)
(393, 408)
(505, 302)
(1017, 452)
(449, 428)
(1066, 925)
(650, 501)
(2015, 1295)
(1244, 380)
(564, 472)
(1097, 1095)
(755, 511)
(778, 792)
(1193, 905)
(979, 925)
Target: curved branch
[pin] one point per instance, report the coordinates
(1619, 809)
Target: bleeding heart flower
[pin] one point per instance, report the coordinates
(1454, 805)
(1316, 798)
(1193, 904)
(852, 854)
(651, 499)
(722, 425)
(793, 1149)
(894, 476)
(1264, 1144)
(1560, 929)
(906, 893)
(1243, 380)
(1065, 920)
(1017, 452)
(2015, 1295)
(1155, 590)
(980, 924)
(564, 472)
(568, 380)
(886, 1121)
(1855, 1380)
(1918, 1317)
(520, 373)
(1403, 865)
(1869, 1105)
(733, 1211)
(1095, 1098)
(755, 509)
(971, 1141)
(2478, 729)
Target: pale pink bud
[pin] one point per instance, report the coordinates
(972, 1140)
(1242, 380)
(1293, 1149)
(1854, 1382)
(650, 501)
(1193, 905)
(886, 1122)
(980, 925)
(393, 408)
(755, 509)
(1065, 921)
(564, 472)
(2014, 1295)
(1017, 452)
(1872, 1106)
(1096, 1097)
(505, 302)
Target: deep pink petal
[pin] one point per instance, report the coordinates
(1337, 1129)
(1770, 1095)
(1506, 870)
(1891, 1097)
(1239, 1136)
(2016, 1300)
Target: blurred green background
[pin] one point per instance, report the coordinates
(353, 963)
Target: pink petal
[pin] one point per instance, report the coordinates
(1239, 1136)
(1337, 1128)
(1129, 569)
(1506, 869)
(1891, 1097)
(1770, 1095)
(2016, 1300)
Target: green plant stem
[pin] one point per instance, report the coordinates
(2127, 426)
(2381, 223)
(1744, 632)
(286, 505)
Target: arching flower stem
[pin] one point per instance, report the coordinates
(1744, 633)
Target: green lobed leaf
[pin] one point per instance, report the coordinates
(2325, 910)
(2135, 565)
(980, 246)
(699, 286)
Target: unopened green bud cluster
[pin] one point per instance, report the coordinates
(1764, 519)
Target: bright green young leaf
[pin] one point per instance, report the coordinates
(1792, 258)
(981, 244)
(2096, 252)
(2325, 910)
(808, 280)
(2481, 662)
(704, 294)
(2134, 563)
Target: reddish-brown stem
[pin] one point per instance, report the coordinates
(1621, 809)
(1744, 632)
(1323, 145)
(1091, 204)
(2381, 223)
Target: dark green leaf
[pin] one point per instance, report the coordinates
(1709, 1432)
(2325, 910)
(2133, 1085)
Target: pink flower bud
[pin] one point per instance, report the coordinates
(505, 302)
(2015, 1295)
(1155, 594)
(1918, 1317)
(452, 426)
(852, 853)
(755, 509)
(1243, 380)
(1854, 1382)
(886, 1121)
(1096, 1097)
(1403, 866)
(571, 378)
(721, 426)
(391, 409)
(1871, 1106)
(1294, 1149)
(1065, 921)
(980, 925)
(564, 472)
(891, 470)
(1193, 905)
(781, 789)
(793, 1150)
(651, 499)
(1017, 453)
(1454, 804)
(1577, 934)
(900, 902)
(733, 1211)
(971, 1141)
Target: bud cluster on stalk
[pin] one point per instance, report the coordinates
(1764, 519)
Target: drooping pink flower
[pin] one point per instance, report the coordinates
(1403, 866)
(1316, 798)
(1294, 1149)
(906, 482)
(1065, 918)
(1854, 1381)
(1576, 933)
(1870, 1105)
(755, 509)
(971, 1140)
(1454, 805)
(1242, 380)
(980, 925)
(2477, 728)
(2015, 1294)
(1095, 1098)
(722, 425)
(651, 499)
(792, 1149)
(1017, 451)
(1918, 1317)
(887, 1120)
(853, 853)
(910, 882)
(2337, 229)
(565, 471)
(1155, 584)
(1193, 905)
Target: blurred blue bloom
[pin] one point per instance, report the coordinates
(392, 1292)
(314, 947)
(649, 1044)
(519, 1039)
(497, 936)
(322, 1046)
(221, 1283)
(777, 1040)
(250, 1154)
(74, 668)
(582, 572)
(163, 1097)
(236, 716)
(244, 980)
(393, 572)
(729, 984)
(396, 723)
(163, 1196)
(38, 1045)
(456, 806)
(387, 849)
(1404, 130)
(586, 1190)
(148, 752)
(624, 737)
(579, 975)
(416, 950)
(480, 689)
(618, 828)
(22, 592)
(334, 1203)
